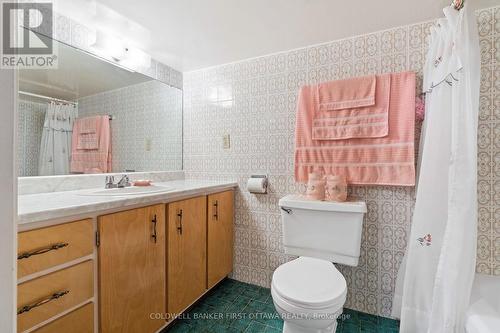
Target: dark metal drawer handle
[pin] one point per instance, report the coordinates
(216, 205)
(42, 250)
(154, 235)
(52, 297)
(179, 227)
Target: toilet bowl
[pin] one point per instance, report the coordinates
(308, 294)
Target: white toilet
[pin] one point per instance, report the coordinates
(309, 292)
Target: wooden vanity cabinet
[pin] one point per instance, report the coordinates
(132, 270)
(219, 236)
(151, 261)
(186, 253)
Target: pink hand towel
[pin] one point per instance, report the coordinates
(363, 115)
(346, 94)
(368, 161)
(92, 160)
(87, 129)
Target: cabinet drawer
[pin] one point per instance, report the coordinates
(80, 320)
(37, 299)
(47, 247)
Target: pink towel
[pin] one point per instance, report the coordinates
(91, 160)
(346, 94)
(88, 129)
(363, 113)
(368, 161)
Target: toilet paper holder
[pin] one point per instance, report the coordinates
(257, 184)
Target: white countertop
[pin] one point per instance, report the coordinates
(59, 205)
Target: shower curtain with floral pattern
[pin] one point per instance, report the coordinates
(436, 276)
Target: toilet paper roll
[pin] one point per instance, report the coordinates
(257, 185)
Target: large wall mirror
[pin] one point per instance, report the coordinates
(92, 116)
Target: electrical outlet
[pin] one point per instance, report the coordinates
(148, 144)
(226, 141)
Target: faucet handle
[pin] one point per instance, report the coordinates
(124, 181)
(110, 181)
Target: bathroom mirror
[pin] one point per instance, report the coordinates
(127, 121)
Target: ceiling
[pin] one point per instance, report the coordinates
(78, 75)
(193, 34)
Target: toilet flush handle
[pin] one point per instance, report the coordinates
(287, 210)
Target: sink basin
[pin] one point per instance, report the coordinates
(133, 190)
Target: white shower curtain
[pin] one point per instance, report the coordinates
(55, 147)
(435, 278)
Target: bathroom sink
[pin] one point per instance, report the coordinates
(133, 190)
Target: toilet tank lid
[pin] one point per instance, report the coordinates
(301, 202)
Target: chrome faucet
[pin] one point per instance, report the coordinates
(123, 182)
(110, 182)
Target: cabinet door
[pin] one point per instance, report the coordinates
(186, 253)
(220, 236)
(132, 270)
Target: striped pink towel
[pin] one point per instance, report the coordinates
(360, 109)
(346, 94)
(88, 129)
(363, 161)
(92, 160)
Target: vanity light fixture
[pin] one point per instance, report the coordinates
(109, 47)
(119, 53)
(106, 59)
(135, 58)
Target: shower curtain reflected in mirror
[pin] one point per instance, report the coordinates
(55, 147)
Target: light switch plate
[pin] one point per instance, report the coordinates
(148, 144)
(226, 141)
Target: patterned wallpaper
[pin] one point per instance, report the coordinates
(254, 101)
(30, 118)
(149, 111)
(488, 256)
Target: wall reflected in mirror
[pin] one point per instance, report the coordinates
(92, 116)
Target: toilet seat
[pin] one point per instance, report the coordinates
(309, 283)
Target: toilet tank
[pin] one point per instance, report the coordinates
(322, 229)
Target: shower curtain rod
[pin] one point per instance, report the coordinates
(54, 99)
(47, 97)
